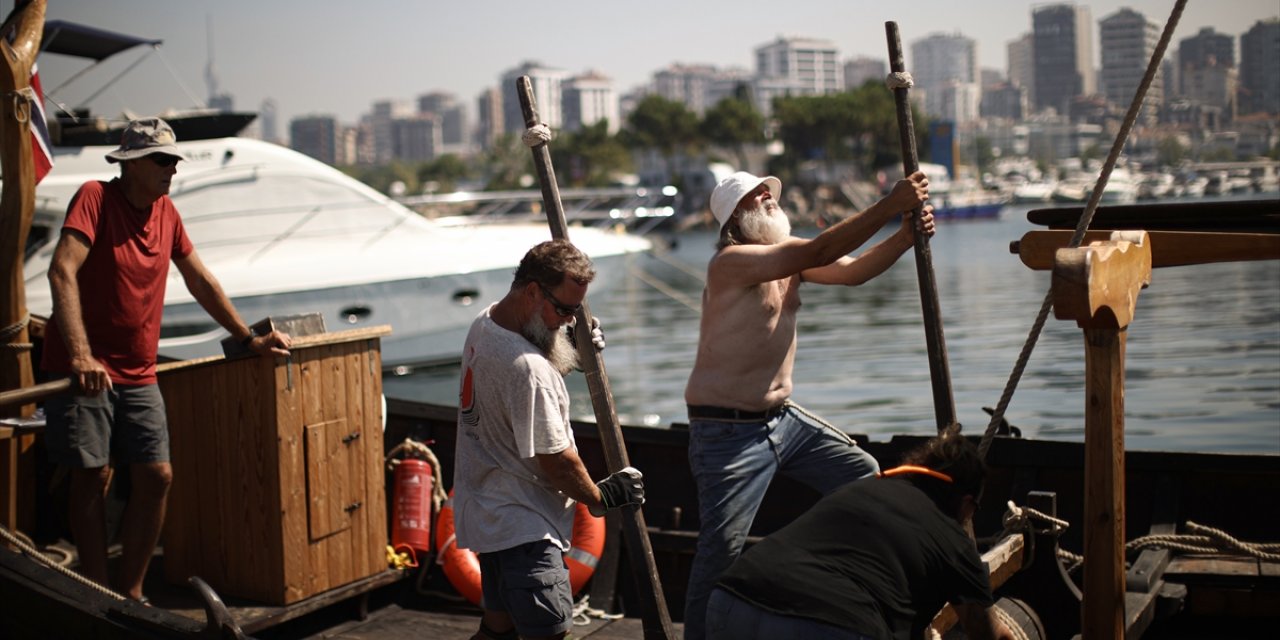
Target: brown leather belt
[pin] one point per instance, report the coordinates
(704, 412)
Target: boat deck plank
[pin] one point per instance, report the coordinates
(397, 623)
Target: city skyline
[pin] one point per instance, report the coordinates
(413, 50)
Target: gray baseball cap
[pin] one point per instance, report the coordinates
(144, 137)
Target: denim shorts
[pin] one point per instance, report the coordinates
(126, 421)
(531, 584)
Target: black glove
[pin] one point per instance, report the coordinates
(620, 489)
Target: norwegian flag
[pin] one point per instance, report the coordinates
(41, 143)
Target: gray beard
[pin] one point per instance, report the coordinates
(554, 344)
(765, 224)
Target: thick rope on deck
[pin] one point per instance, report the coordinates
(583, 613)
(1083, 225)
(35, 554)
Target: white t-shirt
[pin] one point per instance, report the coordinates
(513, 404)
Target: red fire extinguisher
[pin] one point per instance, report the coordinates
(411, 511)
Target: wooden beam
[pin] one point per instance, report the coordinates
(1003, 561)
(1097, 286)
(1168, 248)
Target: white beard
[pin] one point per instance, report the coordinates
(766, 224)
(554, 344)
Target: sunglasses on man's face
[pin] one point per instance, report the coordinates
(163, 160)
(562, 310)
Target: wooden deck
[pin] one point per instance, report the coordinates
(395, 623)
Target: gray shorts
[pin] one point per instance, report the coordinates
(531, 584)
(127, 422)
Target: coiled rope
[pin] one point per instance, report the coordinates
(583, 613)
(1083, 225)
(415, 448)
(1198, 539)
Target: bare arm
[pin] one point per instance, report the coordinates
(566, 473)
(68, 257)
(206, 290)
(853, 271)
(746, 265)
(981, 623)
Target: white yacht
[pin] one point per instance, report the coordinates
(286, 234)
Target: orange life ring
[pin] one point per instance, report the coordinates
(462, 566)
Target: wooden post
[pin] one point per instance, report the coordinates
(1097, 286)
(657, 621)
(944, 404)
(20, 44)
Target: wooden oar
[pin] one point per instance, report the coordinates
(657, 621)
(944, 405)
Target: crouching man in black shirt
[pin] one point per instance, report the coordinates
(875, 559)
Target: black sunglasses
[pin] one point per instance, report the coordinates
(163, 160)
(562, 310)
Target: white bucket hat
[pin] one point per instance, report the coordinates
(731, 191)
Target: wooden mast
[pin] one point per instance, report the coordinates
(653, 605)
(20, 43)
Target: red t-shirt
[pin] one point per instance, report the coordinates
(122, 280)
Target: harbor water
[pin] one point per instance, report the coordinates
(1202, 367)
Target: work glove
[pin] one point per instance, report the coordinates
(620, 489)
(597, 334)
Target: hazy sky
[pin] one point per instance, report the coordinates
(327, 57)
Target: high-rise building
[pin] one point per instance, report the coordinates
(810, 66)
(1063, 47)
(1005, 100)
(1260, 68)
(488, 117)
(1128, 39)
(945, 69)
(380, 120)
(315, 136)
(415, 138)
(1022, 62)
(269, 121)
(687, 84)
(588, 99)
(452, 119)
(546, 83)
(1205, 49)
(861, 69)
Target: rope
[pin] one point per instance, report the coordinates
(413, 447)
(899, 80)
(1083, 225)
(583, 613)
(27, 549)
(13, 330)
(536, 135)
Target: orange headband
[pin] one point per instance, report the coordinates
(911, 468)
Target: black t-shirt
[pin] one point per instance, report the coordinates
(876, 556)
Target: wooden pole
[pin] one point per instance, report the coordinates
(20, 42)
(1097, 286)
(944, 405)
(657, 621)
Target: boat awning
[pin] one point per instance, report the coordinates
(69, 38)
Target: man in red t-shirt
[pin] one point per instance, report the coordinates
(108, 278)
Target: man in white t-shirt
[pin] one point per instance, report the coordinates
(517, 471)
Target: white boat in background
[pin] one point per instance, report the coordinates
(286, 234)
(1041, 191)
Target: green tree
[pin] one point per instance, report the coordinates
(590, 157)
(445, 172)
(507, 161)
(859, 126)
(733, 123)
(984, 154)
(665, 125)
(1170, 152)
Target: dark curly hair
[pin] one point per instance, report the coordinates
(549, 263)
(954, 455)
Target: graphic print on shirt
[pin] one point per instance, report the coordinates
(466, 397)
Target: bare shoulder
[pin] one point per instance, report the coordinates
(750, 264)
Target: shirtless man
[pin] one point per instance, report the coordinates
(743, 428)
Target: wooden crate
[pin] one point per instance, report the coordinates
(278, 490)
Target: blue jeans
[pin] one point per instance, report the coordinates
(733, 463)
(732, 618)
